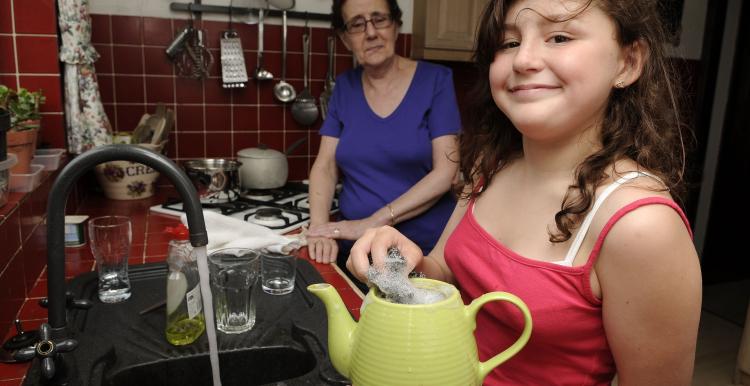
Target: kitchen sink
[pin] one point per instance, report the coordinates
(123, 344)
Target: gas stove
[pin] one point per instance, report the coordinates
(281, 210)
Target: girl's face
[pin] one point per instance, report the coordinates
(373, 46)
(553, 79)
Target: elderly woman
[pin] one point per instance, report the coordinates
(389, 136)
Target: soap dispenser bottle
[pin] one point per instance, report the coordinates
(185, 321)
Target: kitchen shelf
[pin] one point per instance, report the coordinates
(240, 11)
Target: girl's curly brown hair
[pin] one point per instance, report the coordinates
(641, 121)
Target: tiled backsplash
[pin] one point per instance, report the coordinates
(28, 58)
(134, 74)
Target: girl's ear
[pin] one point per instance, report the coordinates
(634, 58)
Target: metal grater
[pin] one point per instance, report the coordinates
(233, 71)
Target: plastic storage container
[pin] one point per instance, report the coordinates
(49, 158)
(5, 177)
(26, 182)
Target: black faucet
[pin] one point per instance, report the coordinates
(56, 291)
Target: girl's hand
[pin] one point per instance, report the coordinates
(345, 230)
(322, 249)
(375, 243)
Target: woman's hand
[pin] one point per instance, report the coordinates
(375, 243)
(345, 230)
(322, 249)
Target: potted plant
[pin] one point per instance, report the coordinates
(23, 106)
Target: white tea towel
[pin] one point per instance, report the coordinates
(229, 232)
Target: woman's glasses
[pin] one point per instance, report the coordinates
(359, 24)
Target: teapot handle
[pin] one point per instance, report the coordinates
(484, 368)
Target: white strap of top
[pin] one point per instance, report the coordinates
(573, 251)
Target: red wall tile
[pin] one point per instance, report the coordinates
(218, 118)
(100, 32)
(219, 145)
(216, 94)
(6, 22)
(245, 118)
(243, 140)
(10, 237)
(53, 131)
(127, 59)
(106, 87)
(157, 31)
(128, 116)
(104, 65)
(7, 55)
(272, 139)
(13, 290)
(37, 54)
(271, 118)
(189, 118)
(159, 89)
(156, 61)
(50, 86)
(35, 17)
(127, 29)
(189, 91)
(8, 80)
(129, 89)
(190, 145)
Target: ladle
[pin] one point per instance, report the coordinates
(304, 110)
(283, 91)
(260, 72)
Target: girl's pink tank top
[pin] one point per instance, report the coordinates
(568, 345)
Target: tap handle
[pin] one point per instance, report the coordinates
(46, 349)
(70, 302)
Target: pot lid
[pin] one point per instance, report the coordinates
(262, 152)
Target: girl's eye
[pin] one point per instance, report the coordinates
(510, 44)
(560, 39)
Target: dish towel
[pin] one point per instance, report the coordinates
(229, 232)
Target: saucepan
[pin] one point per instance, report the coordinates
(264, 168)
(217, 180)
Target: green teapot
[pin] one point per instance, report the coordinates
(412, 344)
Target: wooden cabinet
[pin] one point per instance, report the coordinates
(445, 29)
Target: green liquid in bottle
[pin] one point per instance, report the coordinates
(182, 330)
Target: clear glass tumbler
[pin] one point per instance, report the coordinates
(234, 274)
(278, 273)
(110, 238)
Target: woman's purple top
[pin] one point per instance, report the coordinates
(381, 158)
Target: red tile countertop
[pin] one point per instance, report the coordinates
(149, 245)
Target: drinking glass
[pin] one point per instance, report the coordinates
(110, 238)
(278, 272)
(234, 273)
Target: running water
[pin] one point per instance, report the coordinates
(208, 313)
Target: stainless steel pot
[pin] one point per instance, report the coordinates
(216, 180)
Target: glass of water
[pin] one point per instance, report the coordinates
(110, 238)
(278, 272)
(234, 274)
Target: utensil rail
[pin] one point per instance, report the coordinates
(206, 8)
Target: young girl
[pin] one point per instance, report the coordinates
(571, 166)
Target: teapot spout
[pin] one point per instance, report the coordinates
(341, 327)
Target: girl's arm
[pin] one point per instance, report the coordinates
(650, 280)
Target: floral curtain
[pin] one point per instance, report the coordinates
(86, 121)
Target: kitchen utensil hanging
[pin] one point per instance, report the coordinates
(194, 60)
(330, 83)
(233, 70)
(260, 72)
(282, 90)
(304, 110)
